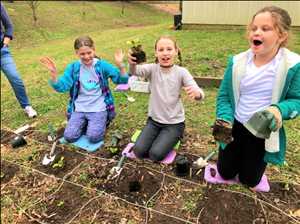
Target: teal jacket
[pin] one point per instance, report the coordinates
(69, 81)
(285, 96)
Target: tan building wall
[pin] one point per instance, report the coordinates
(232, 12)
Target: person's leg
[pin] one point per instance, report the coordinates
(229, 158)
(9, 69)
(146, 138)
(74, 127)
(169, 135)
(96, 126)
(252, 162)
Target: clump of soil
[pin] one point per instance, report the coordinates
(7, 136)
(8, 171)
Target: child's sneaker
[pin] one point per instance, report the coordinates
(31, 113)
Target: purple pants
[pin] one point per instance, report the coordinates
(94, 122)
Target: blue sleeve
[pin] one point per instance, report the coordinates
(64, 82)
(6, 22)
(111, 71)
(224, 105)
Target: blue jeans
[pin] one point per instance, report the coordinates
(94, 122)
(10, 70)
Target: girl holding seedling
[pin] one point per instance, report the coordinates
(165, 124)
(260, 83)
(91, 102)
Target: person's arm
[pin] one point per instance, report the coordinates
(191, 87)
(119, 56)
(8, 26)
(144, 70)
(111, 71)
(224, 110)
(289, 108)
(63, 83)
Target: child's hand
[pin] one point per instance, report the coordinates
(119, 56)
(50, 65)
(193, 92)
(131, 59)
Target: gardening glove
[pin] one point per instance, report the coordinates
(222, 131)
(276, 122)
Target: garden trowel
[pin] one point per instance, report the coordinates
(201, 163)
(116, 170)
(49, 158)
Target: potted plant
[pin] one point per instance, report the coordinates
(137, 50)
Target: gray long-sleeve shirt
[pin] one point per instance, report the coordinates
(165, 105)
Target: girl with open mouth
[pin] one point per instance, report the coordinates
(264, 80)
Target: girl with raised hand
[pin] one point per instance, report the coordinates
(165, 123)
(91, 103)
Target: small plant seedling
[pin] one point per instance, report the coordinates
(60, 204)
(2, 174)
(83, 177)
(137, 50)
(60, 163)
(113, 150)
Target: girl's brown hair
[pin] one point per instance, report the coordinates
(83, 41)
(175, 44)
(281, 18)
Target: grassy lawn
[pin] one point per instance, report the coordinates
(204, 52)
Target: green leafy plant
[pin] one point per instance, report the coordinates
(60, 163)
(136, 43)
(113, 150)
(137, 50)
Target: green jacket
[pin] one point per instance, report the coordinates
(285, 95)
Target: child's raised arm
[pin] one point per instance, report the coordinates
(50, 65)
(132, 62)
(119, 57)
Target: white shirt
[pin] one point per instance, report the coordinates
(256, 87)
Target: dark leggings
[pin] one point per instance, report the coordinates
(157, 140)
(243, 157)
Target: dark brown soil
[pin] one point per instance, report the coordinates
(62, 206)
(7, 136)
(221, 206)
(134, 184)
(8, 171)
(285, 197)
(71, 159)
(141, 182)
(226, 207)
(178, 199)
(107, 210)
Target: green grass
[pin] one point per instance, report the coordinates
(205, 52)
